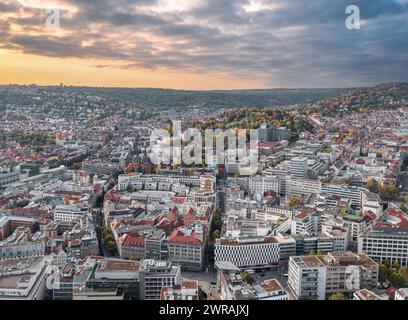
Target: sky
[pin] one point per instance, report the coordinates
(203, 44)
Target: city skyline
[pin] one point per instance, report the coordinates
(203, 45)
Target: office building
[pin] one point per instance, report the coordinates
(318, 277)
(156, 275)
(387, 238)
(298, 167)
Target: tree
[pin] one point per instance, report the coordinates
(373, 186)
(216, 234)
(338, 296)
(201, 294)
(404, 272)
(77, 166)
(217, 221)
(110, 245)
(22, 203)
(294, 202)
(383, 273)
(406, 199)
(247, 277)
(389, 192)
(396, 264)
(397, 279)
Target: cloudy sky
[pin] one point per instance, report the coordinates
(203, 44)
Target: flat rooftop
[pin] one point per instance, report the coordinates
(189, 285)
(247, 241)
(272, 285)
(312, 261)
(15, 281)
(336, 259)
(118, 265)
(367, 295)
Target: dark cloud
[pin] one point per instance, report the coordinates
(290, 42)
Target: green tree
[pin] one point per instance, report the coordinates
(373, 186)
(383, 273)
(396, 264)
(338, 296)
(22, 203)
(397, 279)
(247, 277)
(77, 166)
(216, 234)
(404, 272)
(389, 192)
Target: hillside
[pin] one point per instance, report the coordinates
(163, 98)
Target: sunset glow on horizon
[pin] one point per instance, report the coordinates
(200, 44)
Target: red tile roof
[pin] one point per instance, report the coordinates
(393, 218)
(134, 240)
(178, 237)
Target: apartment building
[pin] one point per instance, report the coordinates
(186, 247)
(137, 181)
(24, 249)
(318, 277)
(9, 178)
(305, 223)
(261, 184)
(9, 224)
(69, 213)
(387, 238)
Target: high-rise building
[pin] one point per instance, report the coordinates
(268, 133)
(298, 167)
(156, 275)
(317, 277)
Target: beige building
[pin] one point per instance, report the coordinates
(318, 277)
